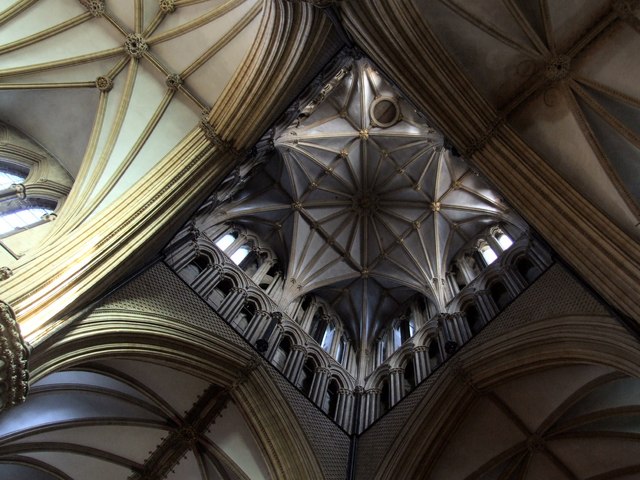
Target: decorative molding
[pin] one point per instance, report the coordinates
(14, 354)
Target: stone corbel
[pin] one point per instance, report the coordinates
(14, 353)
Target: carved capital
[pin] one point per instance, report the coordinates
(299, 348)
(14, 353)
(277, 316)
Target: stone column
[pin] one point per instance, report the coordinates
(294, 362)
(319, 385)
(395, 385)
(421, 362)
(232, 304)
(262, 271)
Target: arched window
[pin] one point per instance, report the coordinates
(226, 240)
(502, 238)
(319, 325)
(9, 177)
(488, 255)
(342, 348)
(327, 338)
(240, 254)
(19, 215)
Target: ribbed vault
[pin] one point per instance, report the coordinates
(364, 202)
(128, 419)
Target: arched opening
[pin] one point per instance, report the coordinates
(487, 253)
(21, 215)
(504, 240)
(499, 294)
(227, 239)
(384, 400)
(331, 398)
(474, 319)
(220, 292)
(306, 376)
(241, 321)
(409, 378)
(239, 255)
(435, 357)
(527, 269)
(319, 325)
(194, 268)
(282, 353)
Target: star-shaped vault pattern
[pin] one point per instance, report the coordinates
(364, 202)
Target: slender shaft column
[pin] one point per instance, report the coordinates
(262, 271)
(465, 268)
(395, 385)
(421, 362)
(307, 318)
(371, 410)
(232, 304)
(495, 245)
(486, 305)
(207, 280)
(237, 243)
(294, 362)
(319, 385)
(257, 325)
(512, 280)
(344, 409)
(463, 326)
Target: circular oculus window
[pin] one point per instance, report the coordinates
(384, 112)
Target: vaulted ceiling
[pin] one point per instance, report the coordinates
(127, 419)
(364, 203)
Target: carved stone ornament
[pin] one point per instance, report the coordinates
(95, 7)
(173, 81)
(5, 272)
(135, 45)
(167, 6)
(14, 375)
(557, 67)
(104, 83)
(21, 191)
